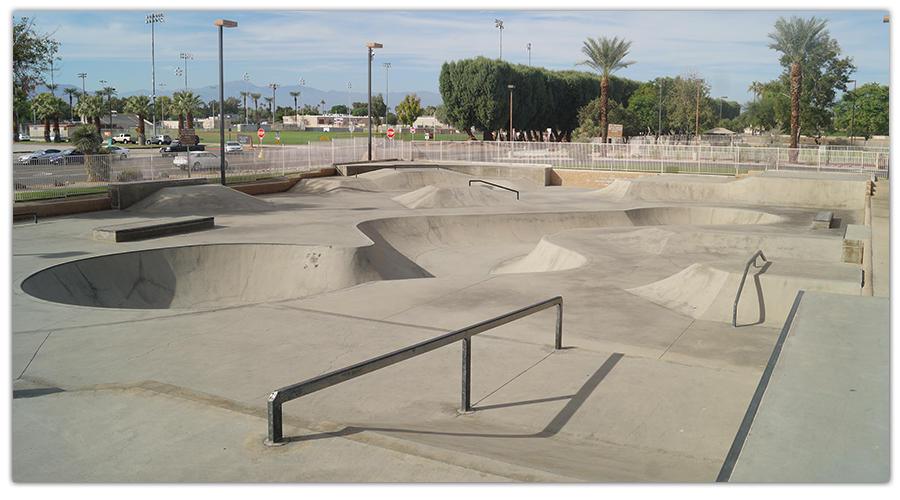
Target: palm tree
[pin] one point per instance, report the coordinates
(73, 92)
(797, 39)
(87, 140)
(605, 56)
(756, 88)
(269, 102)
(255, 98)
(186, 103)
(296, 112)
(139, 105)
(90, 106)
(49, 107)
(244, 96)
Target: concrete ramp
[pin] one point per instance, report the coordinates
(546, 256)
(204, 198)
(455, 197)
(834, 191)
(707, 291)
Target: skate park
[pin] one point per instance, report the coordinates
(713, 328)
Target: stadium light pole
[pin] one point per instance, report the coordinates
(186, 56)
(387, 67)
(273, 86)
(221, 23)
(152, 19)
(512, 136)
(499, 24)
(371, 47)
(852, 112)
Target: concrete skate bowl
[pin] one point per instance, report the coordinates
(222, 275)
(400, 180)
(211, 275)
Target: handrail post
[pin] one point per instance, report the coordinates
(559, 317)
(466, 405)
(275, 436)
(759, 253)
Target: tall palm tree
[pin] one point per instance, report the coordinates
(90, 106)
(269, 102)
(296, 112)
(255, 98)
(244, 96)
(48, 107)
(139, 105)
(73, 92)
(186, 103)
(797, 39)
(605, 56)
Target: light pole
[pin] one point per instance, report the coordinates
(371, 47)
(721, 101)
(186, 56)
(162, 114)
(853, 111)
(349, 121)
(302, 106)
(697, 130)
(273, 86)
(221, 23)
(499, 24)
(512, 136)
(178, 73)
(246, 93)
(659, 109)
(152, 19)
(387, 67)
(528, 48)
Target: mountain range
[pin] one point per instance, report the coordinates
(283, 97)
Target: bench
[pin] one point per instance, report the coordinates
(155, 229)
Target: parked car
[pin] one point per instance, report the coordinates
(118, 152)
(39, 156)
(124, 138)
(67, 157)
(177, 147)
(62, 138)
(24, 137)
(199, 161)
(159, 140)
(233, 147)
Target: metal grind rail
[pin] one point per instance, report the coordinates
(759, 253)
(291, 392)
(495, 185)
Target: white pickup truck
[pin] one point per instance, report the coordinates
(124, 138)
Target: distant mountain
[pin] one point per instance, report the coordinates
(283, 97)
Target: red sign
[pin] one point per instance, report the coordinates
(412, 130)
(390, 133)
(261, 133)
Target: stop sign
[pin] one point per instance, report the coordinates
(412, 130)
(261, 133)
(390, 133)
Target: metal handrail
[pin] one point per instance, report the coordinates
(759, 253)
(291, 392)
(495, 185)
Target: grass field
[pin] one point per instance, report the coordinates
(297, 137)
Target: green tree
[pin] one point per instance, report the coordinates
(867, 110)
(139, 105)
(90, 107)
(185, 104)
(48, 108)
(797, 40)
(409, 110)
(605, 56)
(71, 92)
(32, 52)
(255, 96)
(687, 102)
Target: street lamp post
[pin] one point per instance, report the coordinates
(178, 73)
(349, 114)
(852, 112)
(387, 67)
(302, 106)
(499, 24)
(721, 101)
(528, 48)
(221, 23)
(186, 56)
(152, 19)
(246, 93)
(273, 86)
(697, 130)
(162, 114)
(512, 136)
(371, 47)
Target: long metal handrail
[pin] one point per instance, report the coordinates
(495, 185)
(291, 392)
(759, 253)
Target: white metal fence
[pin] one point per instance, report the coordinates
(47, 180)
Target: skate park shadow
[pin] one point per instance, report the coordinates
(552, 428)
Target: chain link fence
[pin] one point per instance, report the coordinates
(92, 174)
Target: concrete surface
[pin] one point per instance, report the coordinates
(151, 361)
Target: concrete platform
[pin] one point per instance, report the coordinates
(151, 361)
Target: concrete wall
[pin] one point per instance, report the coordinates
(591, 178)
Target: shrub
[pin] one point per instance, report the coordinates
(130, 175)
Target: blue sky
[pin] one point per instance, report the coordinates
(327, 48)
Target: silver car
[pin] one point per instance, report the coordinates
(199, 161)
(118, 152)
(233, 147)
